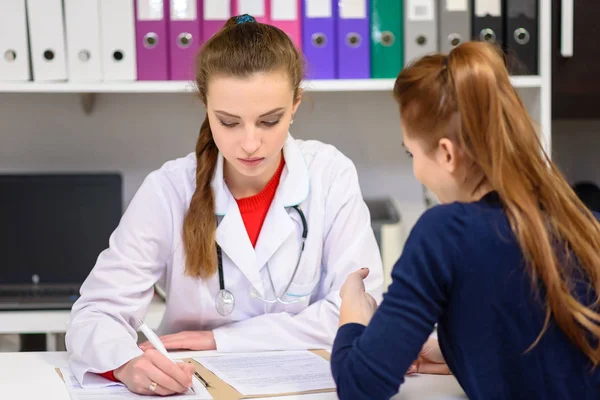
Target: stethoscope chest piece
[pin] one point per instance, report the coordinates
(225, 302)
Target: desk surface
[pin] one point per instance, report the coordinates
(422, 387)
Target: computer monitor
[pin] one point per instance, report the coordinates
(54, 226)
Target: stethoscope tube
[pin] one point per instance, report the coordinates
(225, 301)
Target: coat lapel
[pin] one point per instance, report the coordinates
(293, 190)
(235, 243)
(231, 233)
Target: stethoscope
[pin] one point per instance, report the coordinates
(225, 301)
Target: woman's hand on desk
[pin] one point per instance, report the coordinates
(430, 361)
(154, 370)
(357, 305)
(187, 340)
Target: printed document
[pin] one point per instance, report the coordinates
(120, 392)
(270, 373)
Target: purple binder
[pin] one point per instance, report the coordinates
(151, 41)
(212, 26)
(185, 37)
(319, 44)
(354, 47)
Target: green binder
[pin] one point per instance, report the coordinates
(387, 40)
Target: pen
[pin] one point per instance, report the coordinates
(201, 379)
(158, 345)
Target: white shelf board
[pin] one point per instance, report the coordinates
(337, 85)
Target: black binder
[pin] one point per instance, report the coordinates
(486, 25)
(522, 38)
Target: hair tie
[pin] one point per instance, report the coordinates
(242, 19)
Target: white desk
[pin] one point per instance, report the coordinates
(421, 387)
(54, 322)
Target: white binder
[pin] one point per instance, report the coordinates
(82, 21)
(47, 36)
(117, 40)
(14, 43)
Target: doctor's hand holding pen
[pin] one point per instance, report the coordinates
(359, 307)
(153, 373)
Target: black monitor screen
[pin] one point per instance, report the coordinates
(53, 227)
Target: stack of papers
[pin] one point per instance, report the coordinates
(118, 391)
(272, 373)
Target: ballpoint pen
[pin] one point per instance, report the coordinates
(158, 345)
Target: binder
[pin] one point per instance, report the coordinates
(82, 22)
(117, 40)
(387, 42)
(522, 36)
(47, 36)
(455, 24)
(14, 42)
(286, 15)
(216, 13)
(259, 9)
(151, 40)
(353, 40)
(488, 21)
(420, 29)
(185, 37)
(319, 39)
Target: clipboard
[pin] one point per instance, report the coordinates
(221, 390)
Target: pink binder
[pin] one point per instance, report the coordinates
(259, 9)
(151, 39)
(215, 14)
(287, 16)
(185, 37)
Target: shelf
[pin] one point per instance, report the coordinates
(338, 85)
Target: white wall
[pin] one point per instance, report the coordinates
(136, 133)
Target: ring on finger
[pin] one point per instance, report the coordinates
(152, 386)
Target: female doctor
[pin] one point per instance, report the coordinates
(254, 233)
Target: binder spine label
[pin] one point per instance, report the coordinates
(421, 10)
(184, 10)
(318, 9)
(457, 5)
(492, 8)
(284, 10)
(256, 8)
(150, 10)
(216, 10)
(353, 9)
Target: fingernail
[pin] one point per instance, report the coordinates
(362, 269)
(412, 369)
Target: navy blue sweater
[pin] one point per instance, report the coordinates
(463, 268)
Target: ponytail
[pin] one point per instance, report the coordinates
(199, 226)
(558, 235)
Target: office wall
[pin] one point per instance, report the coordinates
(136, 133)
(577, 149)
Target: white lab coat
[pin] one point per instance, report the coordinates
(147, 245)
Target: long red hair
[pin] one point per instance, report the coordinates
(494, 130)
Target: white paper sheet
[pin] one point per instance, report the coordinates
(25, 378)
(272, 372)
(120, 392)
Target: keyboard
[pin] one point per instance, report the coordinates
(38, 297)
